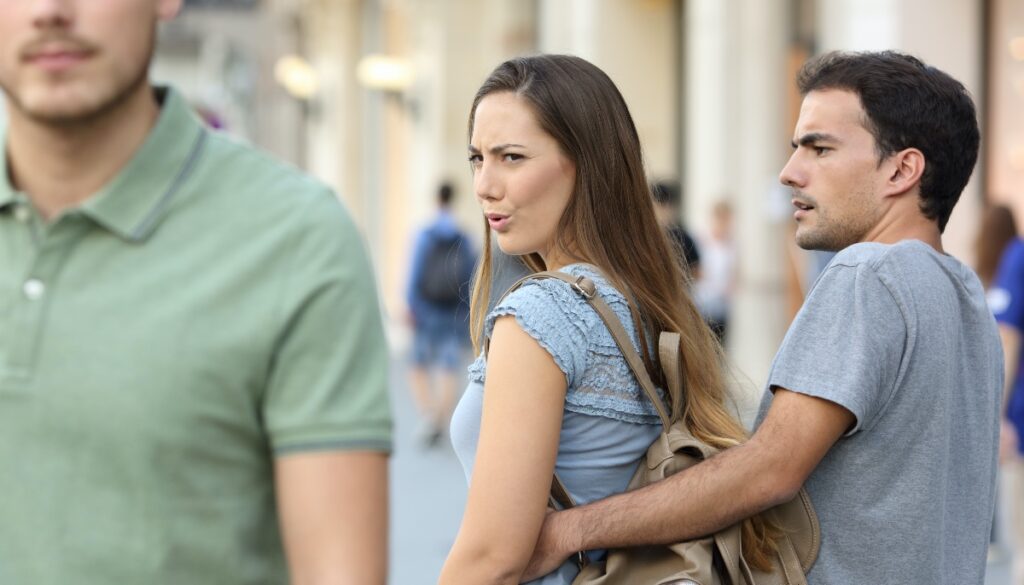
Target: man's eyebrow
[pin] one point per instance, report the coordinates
(813, 138)
(496, 149)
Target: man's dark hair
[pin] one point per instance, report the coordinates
(908, 105)
(666, 193)
(445, 194)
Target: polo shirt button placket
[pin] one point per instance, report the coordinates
(33, 289)
(22, 213)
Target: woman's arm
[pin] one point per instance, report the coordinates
(524, 396)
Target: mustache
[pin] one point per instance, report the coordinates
(61, 41)
(803, 197)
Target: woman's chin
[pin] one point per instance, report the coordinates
(509, 248)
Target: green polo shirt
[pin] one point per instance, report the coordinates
(208, 310)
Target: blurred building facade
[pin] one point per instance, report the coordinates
(373, 96)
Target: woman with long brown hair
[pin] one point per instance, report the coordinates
(558, 173)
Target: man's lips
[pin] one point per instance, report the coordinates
(57, 60)
(56, 54)
(802, 208)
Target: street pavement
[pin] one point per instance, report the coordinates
(428, 493)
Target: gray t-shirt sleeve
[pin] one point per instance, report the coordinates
(846, 345)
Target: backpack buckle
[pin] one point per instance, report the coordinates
(585, 287)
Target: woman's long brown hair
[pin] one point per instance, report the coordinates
(609, 222)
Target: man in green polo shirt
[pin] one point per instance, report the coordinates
(192, 365)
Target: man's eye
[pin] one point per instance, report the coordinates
(820, 150)
(475, 159)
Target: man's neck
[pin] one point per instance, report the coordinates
(908, 226)
(60, 166)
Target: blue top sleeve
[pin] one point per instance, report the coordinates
(540, 309)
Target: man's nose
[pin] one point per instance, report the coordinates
(52, 13)
(791, 176)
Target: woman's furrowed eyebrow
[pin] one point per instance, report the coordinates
(496, 149)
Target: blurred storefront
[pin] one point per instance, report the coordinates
(372, 96)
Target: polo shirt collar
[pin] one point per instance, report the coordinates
(135, 201)
(8, 194)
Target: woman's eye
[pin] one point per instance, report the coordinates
(475, 159)
(512, 157)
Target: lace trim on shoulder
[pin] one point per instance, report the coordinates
(560, 320)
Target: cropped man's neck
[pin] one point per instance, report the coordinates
(908, 227)
(60, 166)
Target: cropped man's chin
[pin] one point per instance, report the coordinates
(811, 241)
(58, 112)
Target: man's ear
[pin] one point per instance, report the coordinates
(167, 9)
(906, 169)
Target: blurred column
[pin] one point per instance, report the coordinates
(735, 117)
(951, 40)
(461, 42)
(636, 44)
(333, 151)
(1005, 140)
(413, 136)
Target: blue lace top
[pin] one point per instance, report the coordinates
(607, 423)
(599, 380)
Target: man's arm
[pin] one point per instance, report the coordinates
(333, 511)
(739, 482)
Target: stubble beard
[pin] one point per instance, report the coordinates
(108, 105)
(832, 234)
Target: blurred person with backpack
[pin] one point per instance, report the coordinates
(442, 267)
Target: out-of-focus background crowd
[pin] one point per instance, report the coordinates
(372, 97)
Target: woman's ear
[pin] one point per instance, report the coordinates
(907, 168)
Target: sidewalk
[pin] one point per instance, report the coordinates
(428, 493)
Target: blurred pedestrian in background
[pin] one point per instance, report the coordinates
(668, 209)
(717, 282)
(883, 400)
(998, 240)
(554, 392)
(192, 362)
(438, 295)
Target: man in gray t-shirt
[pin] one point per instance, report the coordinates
(884, 397)
(900, 336)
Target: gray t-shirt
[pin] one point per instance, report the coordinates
(901, 337)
